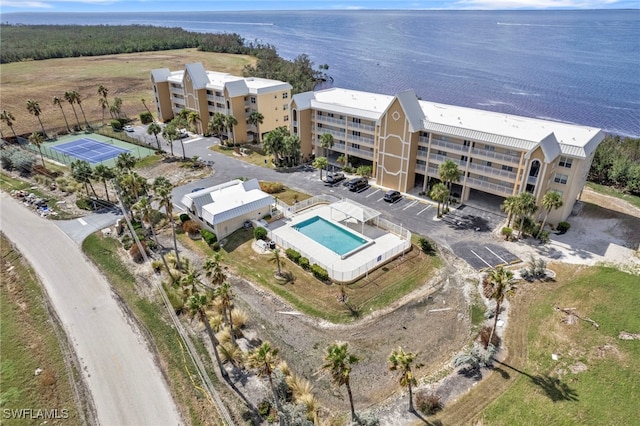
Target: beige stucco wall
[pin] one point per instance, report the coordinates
(272, 106)
(163, 104)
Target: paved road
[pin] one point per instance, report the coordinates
(126, 385)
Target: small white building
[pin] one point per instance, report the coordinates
(226, 207)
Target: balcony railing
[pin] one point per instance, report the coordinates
(335, 133)
(492, 171)
(433, 171)
(421, 168)
(360, 126)
(360, 152)
(491, 154)
(177, 91)
(359, 139)
(340, 147)
(442, 158)
(501, 189)
(447, 145)
(532, 180)
(330, 120)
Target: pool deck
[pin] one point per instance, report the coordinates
(385, 245)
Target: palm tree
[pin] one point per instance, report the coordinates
(449, 173)
(104, 102)
(144, 102)
(263, 358)
(510, 206)
(291, 149)
(274, 142)
(197, 305)
(439, 193)
(34, 109)
(217, 124)
(125, 162)
(526, 206)
(133, 187)
(162, 188)
(104, 173)
(338, 362)
(37, 139)
(498, 285)
(224, 293)
(401, 361)
(552, 200)
(277, 259)
(8, 118)
(81, 171)
(144, 209)
(326, 141)
(192, 120)
(320, 163)
(70, 97)
(78, 100)
(213, 269)
(231, 121)
(58, 102)
(155, 129)
(170, 133)
(256, 119)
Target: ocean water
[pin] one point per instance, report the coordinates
(581, 67)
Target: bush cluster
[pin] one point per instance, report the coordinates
(146, 117)
(304, 263)
(184, 217)
(293, 255)
(563, 227)
(426, 246)
(18, 159)
(135, 252)
(319, 272)
(209, 237)
(260, 233)
(271, 187)
(428, 403)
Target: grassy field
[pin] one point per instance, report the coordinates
(608, 190)
(596, 379)
(29, 340)
(125, 76)
(312, 297)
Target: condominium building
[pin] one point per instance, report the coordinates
(208, 92)
(405, 139)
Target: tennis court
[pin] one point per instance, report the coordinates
(90, 150)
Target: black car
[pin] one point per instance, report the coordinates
(392, 196)
(356, 184)
(334, 178)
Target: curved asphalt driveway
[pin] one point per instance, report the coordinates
(126, 385)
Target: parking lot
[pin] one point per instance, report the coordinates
(483, 256)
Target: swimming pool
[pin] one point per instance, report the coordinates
(337, 239)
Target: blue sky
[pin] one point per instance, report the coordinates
(8, 6)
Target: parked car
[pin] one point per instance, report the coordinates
(128, 128)
(392, 196)
(356, 184)
(335, 177)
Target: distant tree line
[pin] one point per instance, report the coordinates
(617, 163)
(38, 42)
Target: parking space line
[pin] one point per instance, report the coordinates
(380, 199)
(495, 254)
(423, 210)
(411, 205)
(484, 261)
(377, 190)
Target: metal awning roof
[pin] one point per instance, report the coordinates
(355, 210)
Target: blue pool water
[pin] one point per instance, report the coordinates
(333, 237)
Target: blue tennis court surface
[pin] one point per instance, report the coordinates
(90, 150)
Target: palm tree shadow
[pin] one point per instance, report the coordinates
(425, 421)
(555, 389)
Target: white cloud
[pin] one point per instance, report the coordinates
(25, 4)
(532, 4)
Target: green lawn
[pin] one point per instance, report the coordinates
(608, 190)
(608, 391)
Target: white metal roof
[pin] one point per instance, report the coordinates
(344, 101)
(355, 210)
(409, 102)
(198, 75)
(159, 75)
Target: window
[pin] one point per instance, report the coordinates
(218, 93)
(489, 164)
(560, 178)
(422, 163)
(356, 146)
(286, 118)
(422, 149)
(285, 95)
(444, 154)
(565, 162)
(285, 106)
(424, 134)
(467, 143)
(319, 113)
(490, 147)
(464, 158)
(355, 133)
(355, 120)
(330, 114)
(319, 125)
(253, 99)
(507, 168)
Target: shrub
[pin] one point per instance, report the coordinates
(146, 117)
(426, 246)
(507, 233)
(544, 237)
(563, 227)
(22, 161)
(184, 217)
(5, 160)
(428, 403)
(156, 265)
(260, 233)
(484, 336)
(208, 236)
(264, 408)
(127, 241)
(319, 272)
(84, 204)
(116, 125)
(215, 246)
(366, 419)
(348, 169)
(271, 187)
(135, 252)
(191, 227)
(293, 255)
(304, 263)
